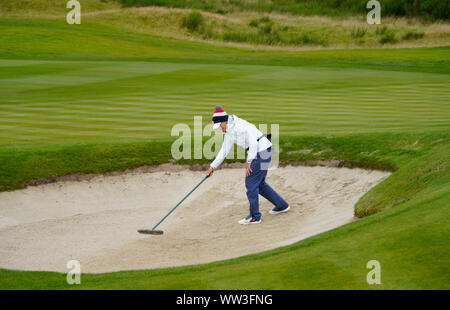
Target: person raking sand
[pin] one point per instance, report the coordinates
(239, 131)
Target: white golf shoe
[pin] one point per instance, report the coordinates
(276, 211)
(249, 220)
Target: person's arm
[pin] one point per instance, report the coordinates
(223, 152)
(252, 144)
(252, 148)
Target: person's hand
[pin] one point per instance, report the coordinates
(248, 169)
(210, 171)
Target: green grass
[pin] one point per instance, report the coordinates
(98, 101)
(53, 97)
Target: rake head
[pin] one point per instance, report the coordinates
(150, 232)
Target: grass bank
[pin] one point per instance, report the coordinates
(43, 38)
(248, 28)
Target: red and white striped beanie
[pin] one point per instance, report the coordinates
(219, 116)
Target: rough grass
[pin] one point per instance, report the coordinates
(278, 30)
(427, 9)
(193, 21)
(281, 30)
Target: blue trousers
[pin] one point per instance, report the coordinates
(256, 184)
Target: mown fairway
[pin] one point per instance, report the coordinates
(56, 101)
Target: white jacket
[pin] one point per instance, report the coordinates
(244, 134)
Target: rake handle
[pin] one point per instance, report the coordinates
(179, 203)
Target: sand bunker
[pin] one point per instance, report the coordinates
(95, 221)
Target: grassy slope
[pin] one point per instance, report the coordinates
(31, 38)
(276, 31)
(276, 24)
(279, 30)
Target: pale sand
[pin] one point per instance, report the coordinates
(95, 221)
